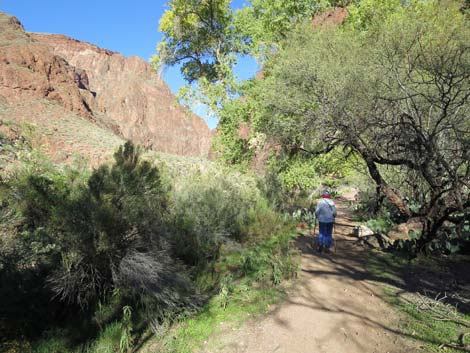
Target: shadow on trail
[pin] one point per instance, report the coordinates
(349, 264)
(444, 276)
(348, 261)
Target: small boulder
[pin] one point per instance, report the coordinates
(401, 231)
(375, 241)
(366, 231)
(372, 241)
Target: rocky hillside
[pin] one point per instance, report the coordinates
(133, 98)
(78, 98)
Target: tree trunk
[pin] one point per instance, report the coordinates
(387, 190)
(379, 199)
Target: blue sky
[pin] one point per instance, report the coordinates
(128, 27)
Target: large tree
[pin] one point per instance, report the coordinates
(398, 95)
(198, 35)
(207, 37)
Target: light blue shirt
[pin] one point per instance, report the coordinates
(326, 211)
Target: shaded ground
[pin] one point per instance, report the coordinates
(335, 306)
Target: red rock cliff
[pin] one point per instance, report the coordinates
(27, 69)
(132, 98)
(82, 99)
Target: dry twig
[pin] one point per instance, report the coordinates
(439, 309)
(442, 311)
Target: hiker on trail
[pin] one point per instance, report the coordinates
(325, 213)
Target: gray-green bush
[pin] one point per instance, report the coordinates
(88, 244)
(211, 209)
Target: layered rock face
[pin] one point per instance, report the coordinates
(133, 98)
(27, 69)
(86, 100)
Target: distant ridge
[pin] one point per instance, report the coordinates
(62, 85)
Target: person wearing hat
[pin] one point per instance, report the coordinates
(325, 213)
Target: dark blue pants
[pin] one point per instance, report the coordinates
(325, 236)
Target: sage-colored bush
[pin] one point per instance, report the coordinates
(212, 209)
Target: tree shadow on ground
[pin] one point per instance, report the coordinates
(352, 262)
(430, 277)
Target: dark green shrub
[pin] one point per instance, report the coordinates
(120, 210)
(452, 239)
(77, 240)
(380, 225)
(269, 261)
(29, 252)
(85, 245)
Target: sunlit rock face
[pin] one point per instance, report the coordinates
(86, 100)
(133, 99)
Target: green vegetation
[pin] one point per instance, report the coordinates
(236, 300)
(159, 246)
(206, 37)
(244, 302)
(379, 101)
(359, 90)
(388, 88)
(91, 259)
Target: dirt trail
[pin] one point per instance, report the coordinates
(335, 306)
